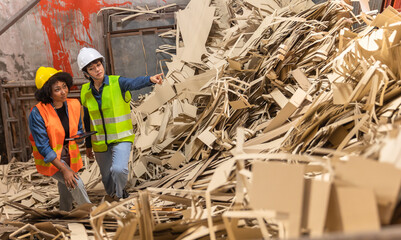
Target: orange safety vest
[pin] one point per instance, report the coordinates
(56, 134)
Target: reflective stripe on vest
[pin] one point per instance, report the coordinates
(110, 137)
(56, 134)
(113, 121)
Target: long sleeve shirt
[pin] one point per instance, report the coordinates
(39, 133)
(126, 84)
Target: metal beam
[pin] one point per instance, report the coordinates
(17, 16)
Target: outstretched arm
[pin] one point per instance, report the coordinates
(131, 84)
(158, 78)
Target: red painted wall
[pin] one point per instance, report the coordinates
(52, 33)
(54, 13)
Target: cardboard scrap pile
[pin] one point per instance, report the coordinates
(276, 119)
(28, 201)
(20, 182)
(272, 122)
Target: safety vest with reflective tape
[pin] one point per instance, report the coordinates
(56, 134)
(113, 121)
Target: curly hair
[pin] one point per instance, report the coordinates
(44, 94)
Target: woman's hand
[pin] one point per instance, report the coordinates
(157, 78)
(89, 153)
(70, 177)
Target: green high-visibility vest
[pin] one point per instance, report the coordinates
(113, 121)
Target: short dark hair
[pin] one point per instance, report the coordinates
(44, 94)
(85, 69)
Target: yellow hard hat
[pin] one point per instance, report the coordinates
(43, 74)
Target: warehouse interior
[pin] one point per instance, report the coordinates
(273, 119)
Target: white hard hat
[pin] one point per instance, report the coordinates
(86, 56)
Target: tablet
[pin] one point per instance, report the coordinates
(81, 136)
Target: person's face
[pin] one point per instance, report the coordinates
(96, 71)
(59, 92)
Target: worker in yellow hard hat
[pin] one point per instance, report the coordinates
(106, 100)
(43, 74)
(53, 121)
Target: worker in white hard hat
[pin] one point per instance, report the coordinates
(53, 121)
(106, 100)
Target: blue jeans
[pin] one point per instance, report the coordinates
(78, 194)
(113, 165)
